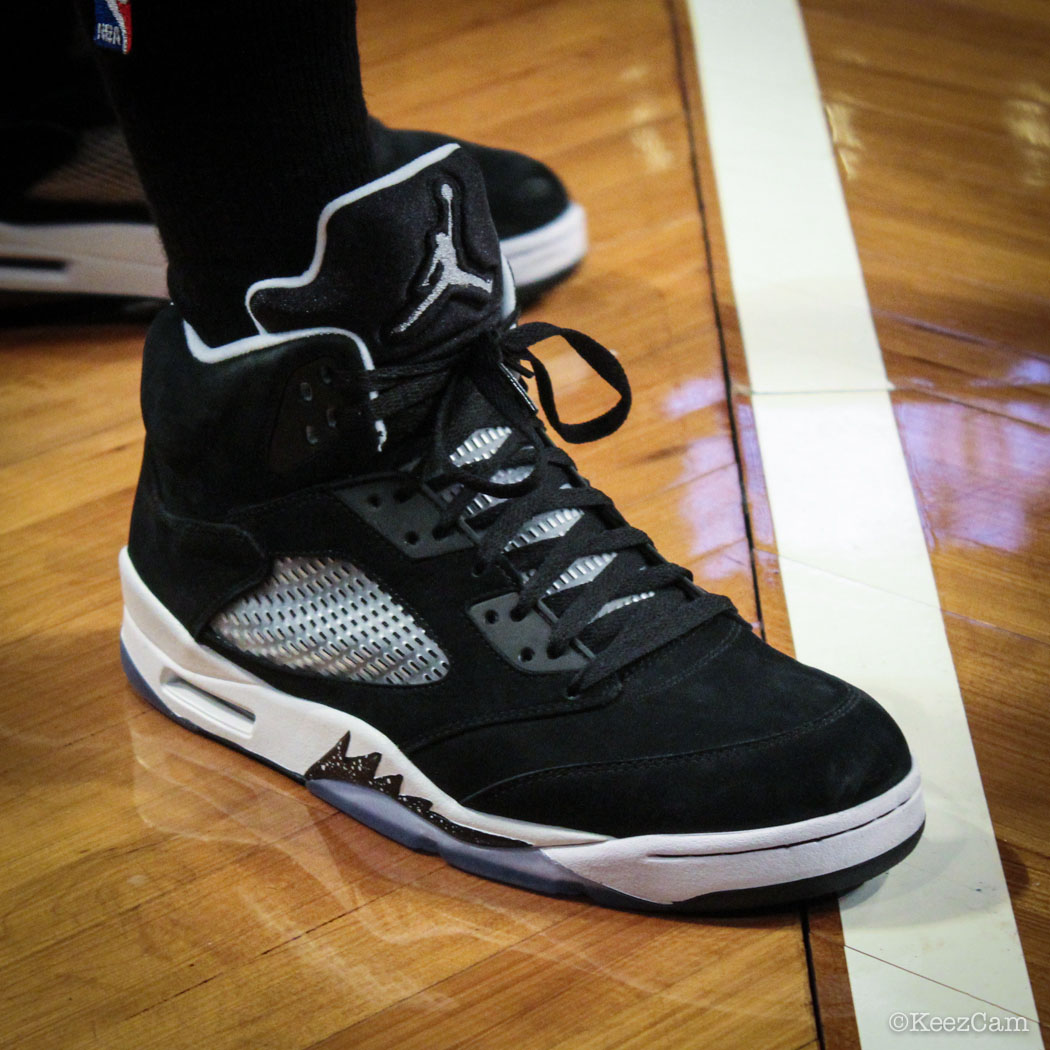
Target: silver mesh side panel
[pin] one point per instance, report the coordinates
(326, 616)
(101, 171)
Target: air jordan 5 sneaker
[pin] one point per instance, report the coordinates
(357, 555)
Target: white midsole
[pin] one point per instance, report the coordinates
(669, 868)
(126, 258)
(217, 696)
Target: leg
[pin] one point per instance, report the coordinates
(244, 119)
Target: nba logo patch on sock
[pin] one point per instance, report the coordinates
(113, 25)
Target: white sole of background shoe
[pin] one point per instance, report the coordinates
(126, 259)
(540, 256)
(105, 258)
(204, 691)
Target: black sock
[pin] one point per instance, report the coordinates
(245, 117)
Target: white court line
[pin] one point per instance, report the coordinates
(937, 934)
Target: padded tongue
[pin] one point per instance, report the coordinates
(409, 262)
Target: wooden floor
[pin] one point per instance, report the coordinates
(160, 891)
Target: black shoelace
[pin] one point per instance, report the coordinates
(672, 606)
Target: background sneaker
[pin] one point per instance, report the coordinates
(356, 555)
(74, 219)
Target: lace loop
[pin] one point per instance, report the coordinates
(518, 342)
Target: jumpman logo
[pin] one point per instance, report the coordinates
(445, 260)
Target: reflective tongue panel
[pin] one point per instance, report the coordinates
(484, 443)
(409, 262)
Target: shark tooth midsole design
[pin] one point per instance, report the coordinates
(355, 767)
(341, 767)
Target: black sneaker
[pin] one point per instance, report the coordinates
(356, 556)
(76, 221)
